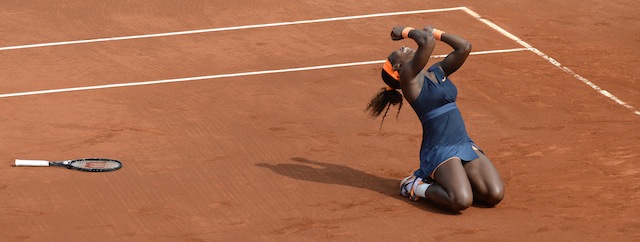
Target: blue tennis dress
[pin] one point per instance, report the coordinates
(443, 131)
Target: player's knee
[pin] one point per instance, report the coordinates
(461, 201)
(496, 196)
(493, 196)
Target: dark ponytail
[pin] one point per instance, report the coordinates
(386, 98)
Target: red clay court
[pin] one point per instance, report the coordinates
(243, 120)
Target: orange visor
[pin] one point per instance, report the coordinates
(387, 67)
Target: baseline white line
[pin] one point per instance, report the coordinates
(229, 28)
(551, 60)
(197, 78)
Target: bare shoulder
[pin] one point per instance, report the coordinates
(412, 88)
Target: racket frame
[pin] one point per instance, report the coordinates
(69, 164)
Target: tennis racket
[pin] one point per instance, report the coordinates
(86, 164)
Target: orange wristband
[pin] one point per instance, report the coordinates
(437, 33)
(405, 32)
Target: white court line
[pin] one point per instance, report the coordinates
(551, 60)
(229, 28)
(198, 78)
(465, 9)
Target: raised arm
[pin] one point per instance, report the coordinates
(461, 50)
(411, 87)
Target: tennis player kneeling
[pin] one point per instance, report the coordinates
(454, 173)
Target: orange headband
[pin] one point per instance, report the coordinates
(388, 88)
(388, 68)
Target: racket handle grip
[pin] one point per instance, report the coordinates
(31, 162)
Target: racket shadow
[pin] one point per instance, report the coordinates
(322, 172)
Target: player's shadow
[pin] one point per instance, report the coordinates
(322, 172)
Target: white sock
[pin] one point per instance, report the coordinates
(421, 190)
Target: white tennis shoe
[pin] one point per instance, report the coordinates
(408, 187)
